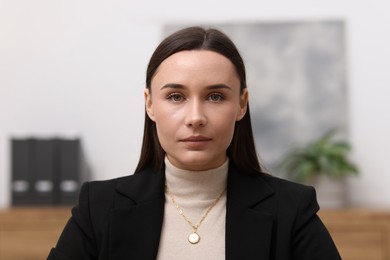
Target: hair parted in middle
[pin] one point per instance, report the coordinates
(241, 151)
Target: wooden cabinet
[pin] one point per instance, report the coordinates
(360, 234)
(30, 233)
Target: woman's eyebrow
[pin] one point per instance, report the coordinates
(180, 86)
(219, 86)
(172, 85)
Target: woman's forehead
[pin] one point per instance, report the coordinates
(197, 65)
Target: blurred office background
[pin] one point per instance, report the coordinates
(76, 69)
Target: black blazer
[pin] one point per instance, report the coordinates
(266, 218)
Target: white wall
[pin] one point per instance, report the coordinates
(77, 67)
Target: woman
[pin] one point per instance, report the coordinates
(198, 191)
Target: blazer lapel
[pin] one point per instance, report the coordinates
(136, 219)
(248, 224)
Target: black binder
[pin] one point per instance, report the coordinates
(73, 170)
(43, 171)
(47, 171)
(22, 164)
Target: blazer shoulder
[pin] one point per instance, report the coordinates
(100, 191)
(106, 185)
(292, 193)
(285, 185)
(101, 194)
(98, 196)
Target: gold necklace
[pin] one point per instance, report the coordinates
(194, 237)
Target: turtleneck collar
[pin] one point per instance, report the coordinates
(196, 185)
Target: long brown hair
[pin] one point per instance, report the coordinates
(241, 151)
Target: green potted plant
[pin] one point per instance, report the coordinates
(322, 163)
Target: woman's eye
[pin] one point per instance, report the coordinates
(216, 97)
(175, 97)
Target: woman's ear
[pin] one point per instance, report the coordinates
(243, 105)
(148, 104)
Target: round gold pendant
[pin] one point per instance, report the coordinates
(194, 238)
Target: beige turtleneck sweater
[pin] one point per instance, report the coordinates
(194, 192)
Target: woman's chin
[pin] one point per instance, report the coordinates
(197, 161)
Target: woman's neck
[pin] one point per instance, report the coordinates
(196, 185)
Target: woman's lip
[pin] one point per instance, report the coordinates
(196, 142)
(196, 139)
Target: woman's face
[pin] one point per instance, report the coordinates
(195, 102)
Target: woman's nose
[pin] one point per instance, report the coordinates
(196, 116)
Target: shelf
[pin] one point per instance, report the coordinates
(360, 234)
(35, 230)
